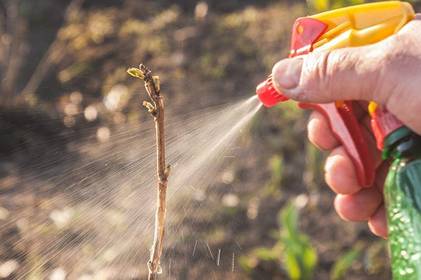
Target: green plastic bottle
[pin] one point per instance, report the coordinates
(403, 202)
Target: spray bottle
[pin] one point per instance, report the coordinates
(357, 26)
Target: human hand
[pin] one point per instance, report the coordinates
(389, 73)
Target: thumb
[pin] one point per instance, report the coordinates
(386, 72)
(320, 77)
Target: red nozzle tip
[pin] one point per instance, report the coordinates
(268, 94)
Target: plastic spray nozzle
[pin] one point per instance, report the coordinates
(268, 94)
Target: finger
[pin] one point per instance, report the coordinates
(377, 223)
(327, 76)
(340, 172)
(359, 206)
(319, 132)
(401, 96)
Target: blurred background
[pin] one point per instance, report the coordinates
(65, 98)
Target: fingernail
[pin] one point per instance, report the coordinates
(286, 73)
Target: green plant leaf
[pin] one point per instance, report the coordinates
(266, 254)
(300, 257)
(324, 5)
(292, 266)
(342, 265)
(249, 262)
(309, 260)
(288, 218)
(319, 5)
(135, 72)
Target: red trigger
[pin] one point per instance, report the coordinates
(348, 131)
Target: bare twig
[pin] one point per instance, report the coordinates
(156, 108)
